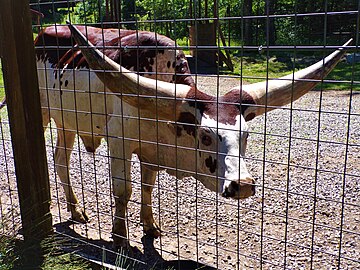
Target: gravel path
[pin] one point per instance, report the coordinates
(305, 213)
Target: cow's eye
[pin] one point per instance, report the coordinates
(206, 140)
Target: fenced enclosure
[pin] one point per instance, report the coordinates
(304, 156)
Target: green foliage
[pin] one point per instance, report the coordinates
(16, 254)
(166, 12)
(90, 11)
(290, 22)
(56, 258)
(2, 89)
(124, 260)
(54, 10)
(8, 255)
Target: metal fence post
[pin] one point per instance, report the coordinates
(22, 93)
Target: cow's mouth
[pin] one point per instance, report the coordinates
(236, 190)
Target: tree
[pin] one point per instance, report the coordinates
(248, 28)
(270, 22)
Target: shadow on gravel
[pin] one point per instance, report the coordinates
(149, 259)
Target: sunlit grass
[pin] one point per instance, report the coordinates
(343, 77)
(2, 88)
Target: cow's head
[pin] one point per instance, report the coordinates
(215, 126)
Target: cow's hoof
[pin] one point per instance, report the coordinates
(79, 215)
(152, 231)
(121, 244)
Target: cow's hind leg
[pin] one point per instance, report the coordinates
(64, 145)
(148, 178)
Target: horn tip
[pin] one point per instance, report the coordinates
(347, 43)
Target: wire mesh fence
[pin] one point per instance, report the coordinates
(108, 135)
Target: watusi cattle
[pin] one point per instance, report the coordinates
(91, 87)
(186, 131)
(78, 101)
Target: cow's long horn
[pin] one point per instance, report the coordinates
(270, 94)
(136, 90)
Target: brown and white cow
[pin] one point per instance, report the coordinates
(184, 130)
(75, 98)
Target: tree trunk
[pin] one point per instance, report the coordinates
(270, 23)
(248, 29)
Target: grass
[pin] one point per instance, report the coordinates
(346, 76)
(15, 254)
(2, 88)
(48, 254)
(255, 69)
(54, 252)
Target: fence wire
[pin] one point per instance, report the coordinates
(304, 156)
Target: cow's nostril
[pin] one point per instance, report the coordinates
(253, 189)
(228, 193)
(225, 194)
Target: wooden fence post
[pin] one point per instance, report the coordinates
(22, 94)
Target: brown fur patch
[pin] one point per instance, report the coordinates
(225, 109)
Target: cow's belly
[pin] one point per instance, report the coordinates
(80, 104)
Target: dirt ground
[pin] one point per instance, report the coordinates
(305, 214)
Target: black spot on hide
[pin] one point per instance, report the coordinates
(211, 164)
(168, 64)
(186, 121)
(66, 83)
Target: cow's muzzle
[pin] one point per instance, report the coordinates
(240, 189)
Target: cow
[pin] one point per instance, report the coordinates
(185, 131)
(75, 99)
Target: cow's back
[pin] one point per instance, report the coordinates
(76, 97)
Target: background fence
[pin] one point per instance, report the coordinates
(305, 156)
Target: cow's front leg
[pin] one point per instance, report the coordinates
(64, 145)
(148, 178)
(121, 181)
